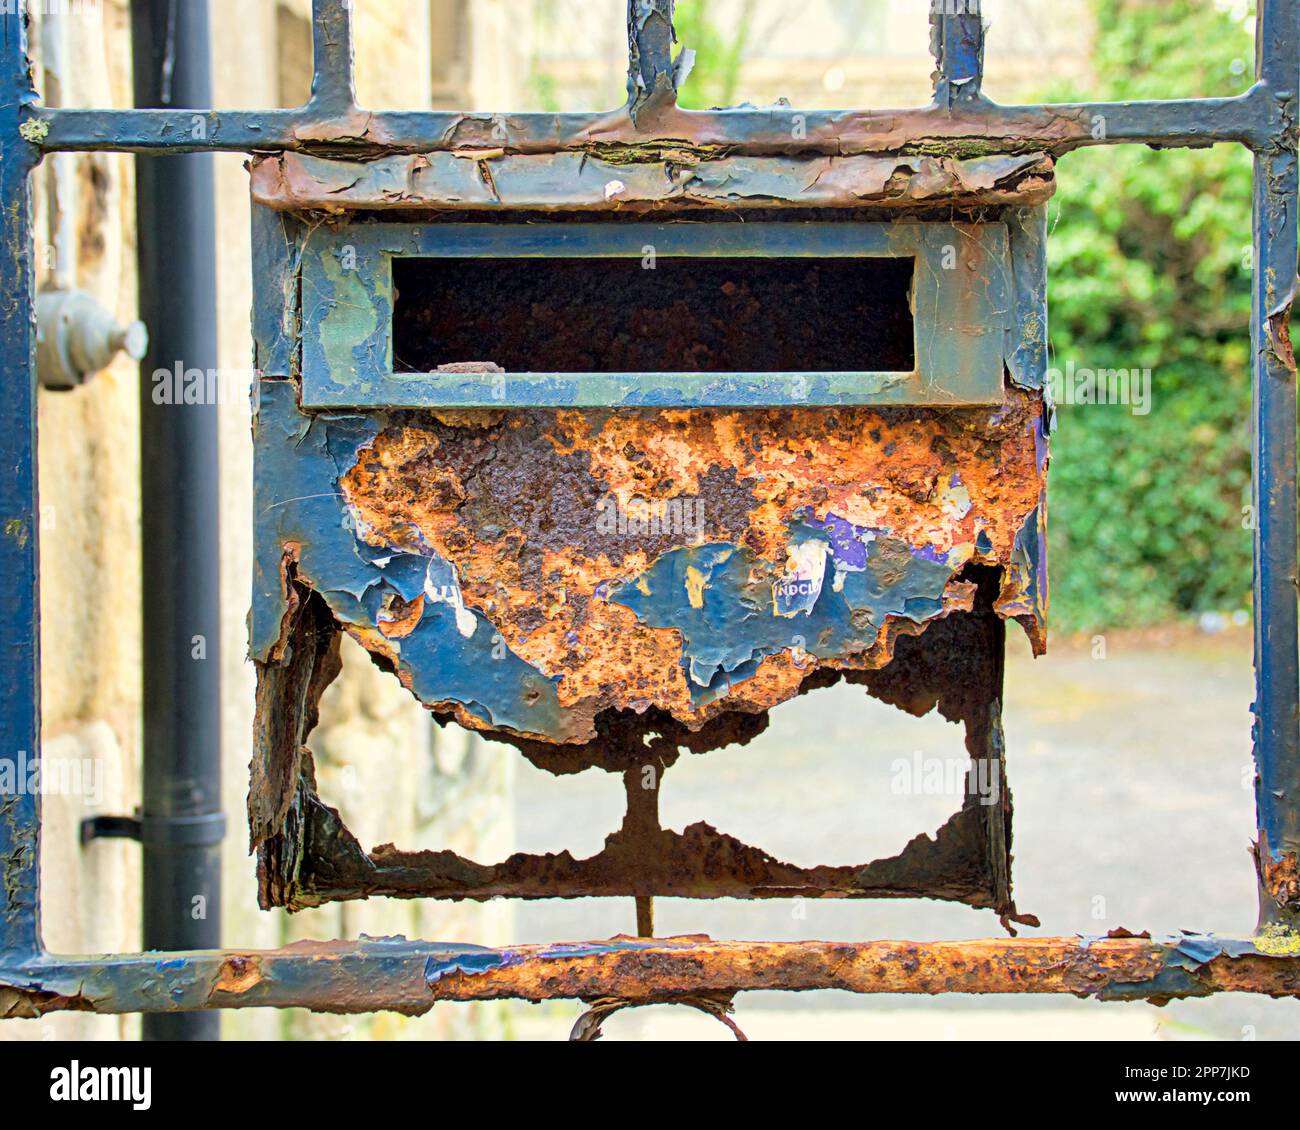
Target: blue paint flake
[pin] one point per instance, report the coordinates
(733, 609)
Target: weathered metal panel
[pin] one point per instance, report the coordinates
(1026, 348)
(307, 856)
(275, 251)
(617, 586)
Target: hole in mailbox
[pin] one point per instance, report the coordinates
(569, 315)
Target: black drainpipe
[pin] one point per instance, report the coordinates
(181, 820)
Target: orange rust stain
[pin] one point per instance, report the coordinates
(675, 966)
(239, 973)
(856, 463)
(398, 618)
(936, 478)
(1281, 878)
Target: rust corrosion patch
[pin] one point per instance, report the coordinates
(25, 1003)
(239, 974)
(596, 544)
(611, 589)
(1110, 968)
(1279, 878)
(646, 861)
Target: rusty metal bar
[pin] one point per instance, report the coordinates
(397, 975)
(1277, 703)
(646, 861)
(970, 129)
(494, 181)
(651, 76)
(642, 823)
(1107, 968)
(333, 80)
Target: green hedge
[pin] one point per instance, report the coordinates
(1150, 268)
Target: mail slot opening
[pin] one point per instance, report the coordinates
(688, 315)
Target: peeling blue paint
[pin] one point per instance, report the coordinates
(437, 966)
(733, 610)
(453, 655)
(1184, 958)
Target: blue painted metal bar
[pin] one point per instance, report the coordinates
(1277, 668)
(651, 80)
(20, 802)
(957, 43)
(333, 83)
(1250, 119)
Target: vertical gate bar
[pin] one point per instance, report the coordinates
(20, 805)
(957, 44)
(651, 78)
(641, 824)
(333, 80)
(1277, 668)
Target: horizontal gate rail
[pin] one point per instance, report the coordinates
(1252, 118)
(332, 121)
(410, 977)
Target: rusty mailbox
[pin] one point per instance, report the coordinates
(607, 454)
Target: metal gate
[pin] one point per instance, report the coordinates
(322, 371)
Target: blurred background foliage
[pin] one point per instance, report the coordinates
(719, 48)
(1150, 268)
